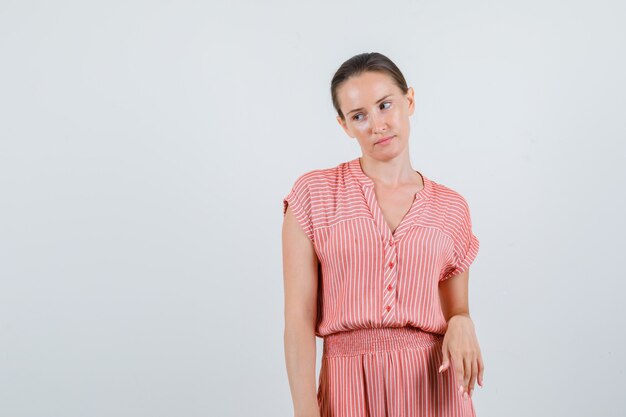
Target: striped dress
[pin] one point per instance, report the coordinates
(378, 307)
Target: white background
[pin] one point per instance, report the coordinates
(145, 148)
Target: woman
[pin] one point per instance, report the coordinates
(376, 261)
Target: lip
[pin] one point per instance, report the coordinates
(384, 140)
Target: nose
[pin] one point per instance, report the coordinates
(379, 124)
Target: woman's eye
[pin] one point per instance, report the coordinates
(355, 117)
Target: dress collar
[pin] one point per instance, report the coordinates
(357, 171)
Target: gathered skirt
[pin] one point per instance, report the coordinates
(388, 372)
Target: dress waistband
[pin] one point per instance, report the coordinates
(377, 339)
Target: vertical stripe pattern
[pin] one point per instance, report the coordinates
(378, 301)
(381, 372)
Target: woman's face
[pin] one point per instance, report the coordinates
(375, 108)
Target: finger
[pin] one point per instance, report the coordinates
(445, 362)
(467, 372)
(472, 380)
(481, 368)
(459, 373)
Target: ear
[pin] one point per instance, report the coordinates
(342, 123)
(411, 100)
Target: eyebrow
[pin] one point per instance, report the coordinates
(361, 108)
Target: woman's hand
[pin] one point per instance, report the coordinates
(461, 345)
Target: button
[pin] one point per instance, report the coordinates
(388, 308)
(391, 242)
(390, 287)
(390, 264)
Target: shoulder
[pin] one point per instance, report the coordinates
(313, 194)
(450, 205)
(447, 196)
(321, 179)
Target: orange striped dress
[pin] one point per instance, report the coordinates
(378, 307)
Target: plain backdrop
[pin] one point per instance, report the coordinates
(146, 146)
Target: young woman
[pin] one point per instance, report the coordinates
(376, 261)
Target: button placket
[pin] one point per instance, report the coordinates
(390, 279)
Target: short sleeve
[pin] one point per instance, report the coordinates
(299, 198)
(465, 243)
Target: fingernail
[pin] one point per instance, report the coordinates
(440, 368)
(465, 395)
(460, 389)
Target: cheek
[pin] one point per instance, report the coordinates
(397, 118)
(400, 121)
(362, 127)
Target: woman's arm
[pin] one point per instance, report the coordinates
(300, 284)
(453, 295)
(460, 342)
